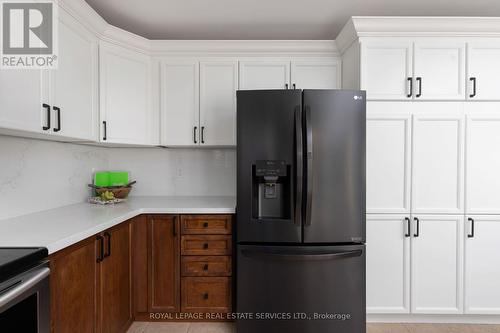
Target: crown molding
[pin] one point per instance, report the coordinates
(416, 26)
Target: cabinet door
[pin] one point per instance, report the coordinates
(436, 264)
(438, 159)
(388, 153)
(387, 264)
(73, 84)
(115, 272)
(164, 264)
(440, 66)
(482, 269)
(21, 100)
(264, 74)
(483, 161)
(125, 96)
(218, 85)
(180, 103)
(73, 292)
(316, 74)
(483, 68)
(386, 69)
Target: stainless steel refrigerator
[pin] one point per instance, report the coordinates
(301, 211)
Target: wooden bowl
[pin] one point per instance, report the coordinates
(119, 192)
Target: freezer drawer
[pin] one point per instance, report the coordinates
(301, 280)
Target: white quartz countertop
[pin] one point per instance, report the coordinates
(61, 227)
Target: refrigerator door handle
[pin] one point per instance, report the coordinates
(299, 166)
(263, 254)
(309, 167)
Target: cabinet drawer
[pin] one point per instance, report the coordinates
(206, 294)
(206, 266)
(199, 245)
(206, 224)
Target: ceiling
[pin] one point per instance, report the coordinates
(267, 19)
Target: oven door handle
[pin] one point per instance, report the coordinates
(26, 283)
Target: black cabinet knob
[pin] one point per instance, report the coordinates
(205, 267)
(205, 224)
(205, 296)
(205, 246)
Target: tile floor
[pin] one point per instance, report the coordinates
(141, 327)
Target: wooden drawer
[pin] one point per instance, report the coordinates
(206, 294)
(206, 224)
(205, 245)
(206, 266)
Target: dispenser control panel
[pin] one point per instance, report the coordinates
(270, 168)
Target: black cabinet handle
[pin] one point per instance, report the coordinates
(47, 108)
(58, 110)
(419, 80)
(286, 85)
(205, 224)
(100, 255)
(471, 234)
(473, 80)
(205, 246)
(108, 237)
(408, 226)
(174, 226)
(205, 296)
(294, 87)
(205, 267)
(417, 233)
(105, 129)
(410, 81)
(202, 134)
(194, 134)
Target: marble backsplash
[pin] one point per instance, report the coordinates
(37, 175)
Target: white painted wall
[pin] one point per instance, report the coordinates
(38, 175)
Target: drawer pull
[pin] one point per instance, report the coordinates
(205, 246)
(205, 296)
(205, 224)
(205, 267)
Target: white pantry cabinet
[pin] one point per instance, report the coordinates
(388, 153)
(483, 69)
(482, 267)
(74, 84)
(218, 85)
(125, 100)
(264, 74)
(387, 69)
(315, 74)
(387, 263)
(437, 264)
(483, 160)
(180, 103)
(439, 70)
(438, 158)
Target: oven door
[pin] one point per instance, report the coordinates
(25, 302)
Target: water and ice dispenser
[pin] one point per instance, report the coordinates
(271, 189)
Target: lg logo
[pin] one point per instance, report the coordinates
(27, 28)
(357, 97)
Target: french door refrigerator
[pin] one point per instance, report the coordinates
(301, 211)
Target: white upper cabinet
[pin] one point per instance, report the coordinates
(180, 103)
(218, 85)
(387, 264)
(436, 264)
(125, 100)
(386, 69)
(438, 158)
(21, 102)
(483, 62)
(388, 152)
(482, 269)
(483, 159)
(439, 70)
(74, 84)
(315, 74)
(264, 74)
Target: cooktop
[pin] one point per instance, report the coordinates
(14, 260)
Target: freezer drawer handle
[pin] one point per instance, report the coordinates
(302, 257)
